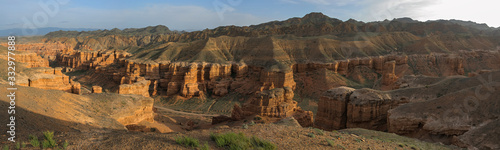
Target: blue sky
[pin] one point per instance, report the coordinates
(201, 14)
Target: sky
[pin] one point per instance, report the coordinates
(202, 14)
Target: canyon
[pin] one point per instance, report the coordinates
(393, 76)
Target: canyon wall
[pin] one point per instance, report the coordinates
(276, 103)
(50, 79)
(31, 60)
(218, 79)
(345, 107)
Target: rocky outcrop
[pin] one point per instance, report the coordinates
(137, 88)
(96, 89)
(88, 59)
(276, 103)
(142, 111)
(368, 108)
(345, 107)
(31, 60)
(51, 79)
(332, 109)
(46, 49)
(388, 74)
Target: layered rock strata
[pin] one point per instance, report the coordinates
(345, 107)
(51, 79)
(276, 103)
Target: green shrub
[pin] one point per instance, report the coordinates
(205, 146)
(49, 137)
(262, 143)
(319, 131)
(65, 145)
(240, 142)
(330, 142)
(23, 145)
(245, 126)
(341, 146)
(18, 145)
(6, 147)
(311, 135)
(34, 141)
(45, 144)
(187, 141)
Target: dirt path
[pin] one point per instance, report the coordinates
(184, 113)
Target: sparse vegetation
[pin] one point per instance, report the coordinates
(311, 135)
(239, 141)
(341, 146)
(6, 147)
(319, 131)
(49, 140)
(34, 141)
(205, 146)
(330, 142)
(187, 141)
(65, 144)
(357, 140)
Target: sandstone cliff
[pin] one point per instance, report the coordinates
(276, 103)
(50, 79)
(138, 88)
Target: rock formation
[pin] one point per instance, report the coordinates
(31, 60)
(96, 89)
(332, 109)
(138, 88)
(51, 79)
(345, 107)
(276, 103)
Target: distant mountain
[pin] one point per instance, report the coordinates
(159, 29)
(40, 31)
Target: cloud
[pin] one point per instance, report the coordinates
(389, 9)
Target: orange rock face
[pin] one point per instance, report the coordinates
(277, 103)
(96, 89)
(32, 60)
(332, 110)
(388, 74)
(138, 88)
(52, 79)
(345, 107)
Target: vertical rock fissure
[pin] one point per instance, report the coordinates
(344, 114)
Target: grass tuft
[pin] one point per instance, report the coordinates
(49, 139)
(187, 141)
(239, 141)
(34, 141)
(65, 145)
(311, 135)
(319, 131)
(205, 146)
(330, 142)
